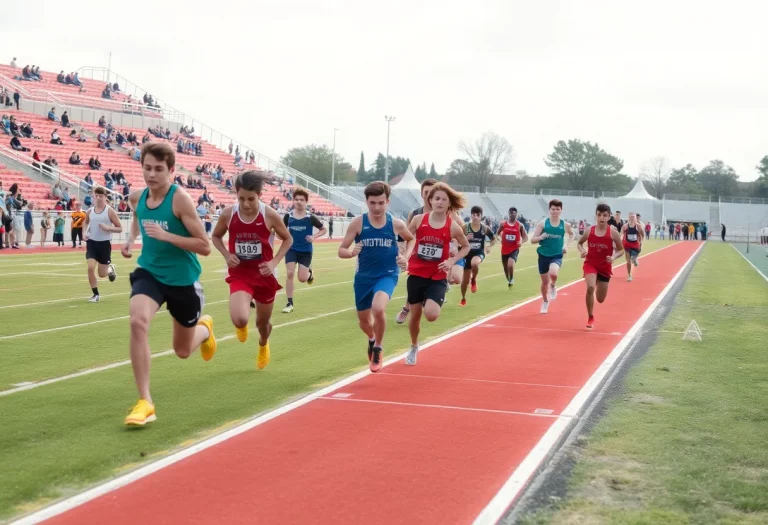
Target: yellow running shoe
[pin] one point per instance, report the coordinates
(242, 333)
(208, 347)
(263, 358)
(142, 413)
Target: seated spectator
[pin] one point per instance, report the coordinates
(74, 159)
(76, 80)
(120, 138)
(116, 88)
(16, 144)
(102, 122)
(92, 163)
(56, 191)
(65, 120)
(52, 115)
(88, 180)
(88, 200)
(82, 137)
(36, 73)
(97, 162)
(14, 127)
(28, 132)
(55, 139)
(73, 134)
(123, 206)
(62, 79)
(126, 189)
(119, 177)
(36, 159)
(14, 66)
(108, 180)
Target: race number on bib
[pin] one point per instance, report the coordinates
(248, 250)
(475, 245)
(632, 237)
(430, 252)
(510, 237)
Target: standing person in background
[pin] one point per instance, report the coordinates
(58, 229)
(29, 225)
(330, 227)
(722, 232)
(45, 225)
(78, 218)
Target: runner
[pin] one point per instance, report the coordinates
(301, 225)
(457, 271)
(632, 235)
(379, 263)
(512, 235)
(616, 221)
(101, 221)
(429, 263)
(604, 247)
(549, 234)
(168, 271)
(252, 275)
(476, 233)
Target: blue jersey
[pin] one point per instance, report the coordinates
(378, 258)
(299, 229)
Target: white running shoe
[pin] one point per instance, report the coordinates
(288, 309)
(634, 261)
(94, 299)
(629, 279)
(402, 315)
(410, 359)
(112, 274)
(544, 307)
(552, 292)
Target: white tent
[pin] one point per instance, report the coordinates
(639, 192)
(408, 182)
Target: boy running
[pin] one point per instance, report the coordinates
(252, 226)
(512, 235)
(549, 234)
(167, 272)
(477, 233)
(604, 244)
(429, 264)
(379, 263)
(632, 236)
(101, 221)
(301, 226)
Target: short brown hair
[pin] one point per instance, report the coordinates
(376, 188)
(251, 180)
(556, 203)
(162, 151)
(298, 191)
(428, 182)
(603, 207)
(98, 190)
(457, 200)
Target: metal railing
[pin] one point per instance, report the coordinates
(55, 175)
(693, 198)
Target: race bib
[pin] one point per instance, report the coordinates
(248, 250)
(632, 237)
(510, 237)
(475, 245)
(430, 252)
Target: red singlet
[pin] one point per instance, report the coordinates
(598, 249)
(631, 237)
(252, 243)
(510, 237)
(432, 247)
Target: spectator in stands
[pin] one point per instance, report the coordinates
(118, 176)
(4, 99)
(65, 120)
(76, 80)
(17, 99)
(102, 122)
(116, 88)
(5, 123)
(88, 180)
(13, 63)
(26, 74)
(27, 131)
(16, 144)
(55, 139)
(61, 79)
(178, 180)
(120, 138)
(14, 127)
(109, 180)
(36, 159)
(82, 137)
(36, 73)
(52, 115)
(56, 191)
(88, 200)
(230, 147)
(74, 159)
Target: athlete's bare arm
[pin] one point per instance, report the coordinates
(133, 234)
(583, 239)
(86, 223)
(321, 230)
(571, 236)
(538, 233)
(410, 241)
(275, 223)
(184, 209)
(489, 234)
(414, 224)
(618, 246)
(523, 233)
(353, 230)
(117, 226)
(217, 237)
(457, 233)
(500, 229)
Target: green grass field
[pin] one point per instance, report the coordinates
(686, 440)
(61, 437)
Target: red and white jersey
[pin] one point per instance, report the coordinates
(252, 242)
(432, 247)
(510, 237)
(599, 249)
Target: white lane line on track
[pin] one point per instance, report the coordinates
(444, 407)
(383, 374)
(148, 469)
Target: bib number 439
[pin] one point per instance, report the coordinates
(430, 252)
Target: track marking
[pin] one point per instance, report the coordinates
(64, 505)
(446, 407)
(750, 263)
(381, 374)
(585, 331)
(528, 467)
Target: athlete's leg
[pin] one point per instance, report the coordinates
(290, 271)
(601, 291)
(414, 325)
(554, 270)
(544, 289)
(365, 322)
(263, 321)
(457, 274)
(628, 257)
(92, 264)
(432, 310)
(103, 270)
(187, 339)
(466, 276)
(142, 309)
(505, 264)
(240, 308)
(303, 275)
(476, 260)
(378, 311)
(511, 268)
(590, 279)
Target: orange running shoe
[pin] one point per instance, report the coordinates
(377, 360)
(463, 302)
(591, 322)
(473, 286)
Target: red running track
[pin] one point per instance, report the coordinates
(430, 444)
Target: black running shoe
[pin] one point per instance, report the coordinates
(311, 278)
(370, 350)
(378, 356)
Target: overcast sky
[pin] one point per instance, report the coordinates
(684, 79)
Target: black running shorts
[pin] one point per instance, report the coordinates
(99, 250)
(420, 289)
(185, 303)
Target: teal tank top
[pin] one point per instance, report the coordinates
(552, 246)
(167, 263)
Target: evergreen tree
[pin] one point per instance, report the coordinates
(362, 175)
(432, 172)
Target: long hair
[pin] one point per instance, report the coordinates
(458, 200)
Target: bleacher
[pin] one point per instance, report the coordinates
(118, 159)
(35, 192)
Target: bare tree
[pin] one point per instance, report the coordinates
(655, 174)
(489, 157)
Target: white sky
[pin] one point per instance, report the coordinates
(685, 79)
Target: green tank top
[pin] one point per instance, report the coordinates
(552, 246)
(167, 263)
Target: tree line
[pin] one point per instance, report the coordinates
(487, 163)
